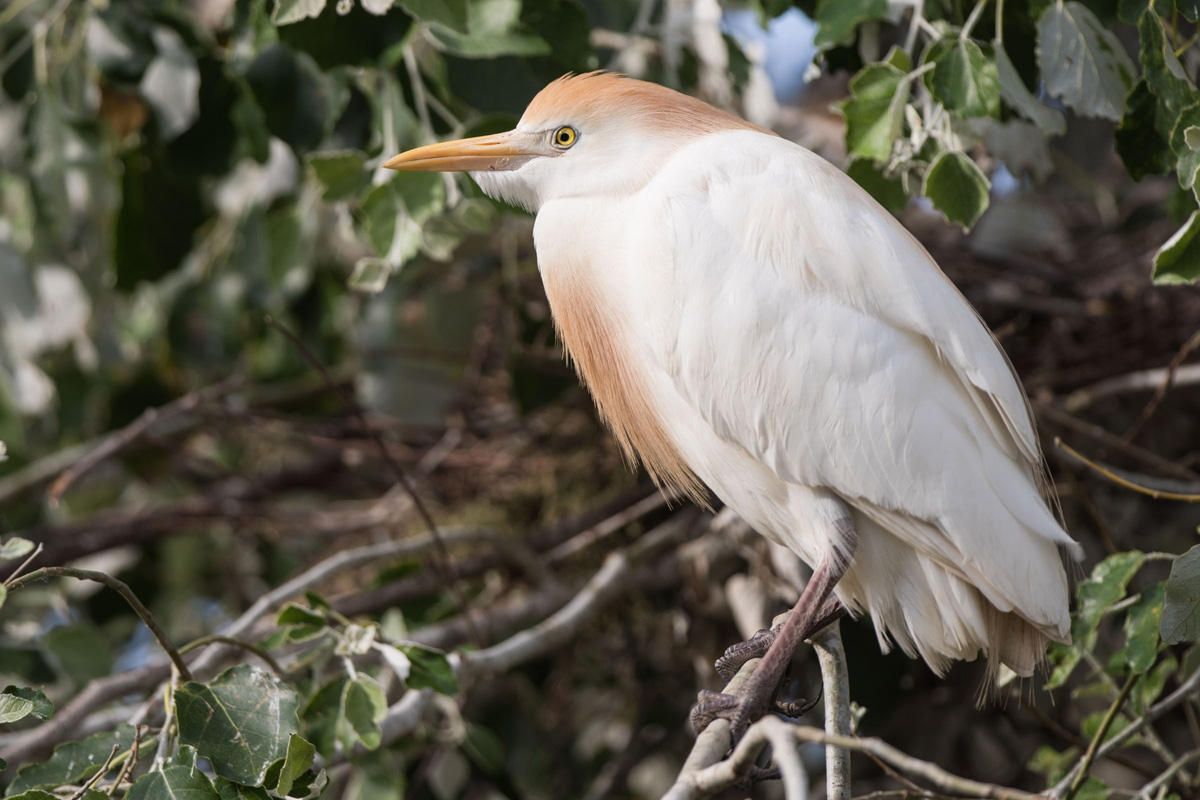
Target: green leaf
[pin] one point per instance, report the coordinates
(297, 761)
(1141, 630)
(342, 173)
(1104, 587)
(289, 11)
(1188, 159)
(1161, 69)
(494, 29)
(15, 547)
(293, 614)
(837, 19)
(73, 762)
(1178, 261)
(430, 669)
(13, 708)
(1140, 140)
(1063, 659)
(227, 790)
(1014, 92)
(173, 783)
(39, 705)
(454, 14)
(1091, 724)
(888, 192)
(1155, 681)
(1082, 61)
(957, 188)
(875, 111)
(1180, 614)
(1191, 136)
(80, 650)
(1093, 789)
(370, 275)
(1189, 8)
(241, 722)
(1052, 764)
(964, 79)
(363, 708)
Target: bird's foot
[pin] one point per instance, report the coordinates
(742, 710)
(736, 655)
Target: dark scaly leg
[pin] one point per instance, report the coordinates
(807, 618)
(736, 655)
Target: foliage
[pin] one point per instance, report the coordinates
(176, 173)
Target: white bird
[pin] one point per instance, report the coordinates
(748, 319)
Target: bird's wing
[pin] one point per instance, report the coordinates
(817, 334)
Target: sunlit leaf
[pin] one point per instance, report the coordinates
(1178, 261)
(289, 11)
(965, 79)
(874, 112)
(173, 783)
(957, 188)
(15, 547)
(1051, 121)
(363, 708)
(1104, 587)
(837, 20)
(1083, 62)
(1141, 629)
(241, 722)
(18, 702)
(430, 670)
(297, 761)
(454, 14)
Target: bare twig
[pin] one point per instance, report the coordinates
(1188, 495)
(1141, 381)
(118, 440)
(836, 680)
(1161, 392)
(45, 573)
(250, 647)
(1089, 757)
(1188, 689)
(401, 476)
(82, 790)
(1152, 459)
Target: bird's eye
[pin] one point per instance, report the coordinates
(565, 136)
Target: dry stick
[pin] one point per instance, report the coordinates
(1140, 381)
(1089, 757)
(1161, 392)
(37, 551)
(1111, 474)
(1168, 774)
(836, 680)
(120, 439)
(82, 790)
(130, 763)
(1166, 466)
(45, 573)
(216, 638)
(443, 561)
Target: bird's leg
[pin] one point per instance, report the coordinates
(807, 617)
(736, 655)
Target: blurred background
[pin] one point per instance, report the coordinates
(183, 182)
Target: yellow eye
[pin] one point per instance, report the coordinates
(565, 136)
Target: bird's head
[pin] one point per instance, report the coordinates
(583, 135)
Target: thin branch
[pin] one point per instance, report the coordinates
(1089, 757)
(216, 638)
(45, 573)
(1140, 381)
(118, 440)
(1116, 477)
(401, 476)
(1167, 467)
(82, 790)
(1188, 689)
(1161, 392)
(836, 681)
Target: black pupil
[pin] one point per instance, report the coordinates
(564, 136)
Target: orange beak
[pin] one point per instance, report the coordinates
(482, 153)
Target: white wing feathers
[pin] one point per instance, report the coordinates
(818, 335)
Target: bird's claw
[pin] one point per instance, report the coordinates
(740, 710)
(736, 655)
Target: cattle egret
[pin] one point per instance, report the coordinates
(748, 319)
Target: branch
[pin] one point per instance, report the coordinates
(1188, 689)
(836, 681)
(1141, 381)
(1189, 493)
(45, 573)
(118, 440)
